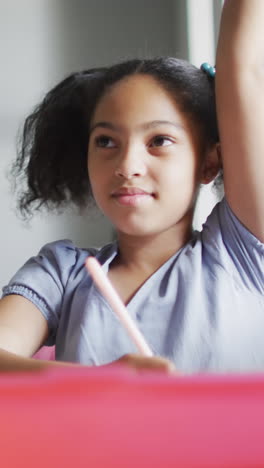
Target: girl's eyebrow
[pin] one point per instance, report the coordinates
(144, 126)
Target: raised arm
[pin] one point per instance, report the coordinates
(240, 109)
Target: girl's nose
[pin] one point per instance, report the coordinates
(130, 164)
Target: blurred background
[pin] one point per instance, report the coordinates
(41, 41)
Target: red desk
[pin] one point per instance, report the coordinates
(113, 418)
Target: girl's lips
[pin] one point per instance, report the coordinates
(129, 191)
(132, 196)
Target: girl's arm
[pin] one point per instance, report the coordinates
(240, 109)
(23, 329)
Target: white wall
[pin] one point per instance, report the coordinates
(41, 41)
(202, 23)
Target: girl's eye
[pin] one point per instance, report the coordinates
(104, 141)
(161, 141)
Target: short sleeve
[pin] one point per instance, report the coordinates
(239, 251)
(43, 280)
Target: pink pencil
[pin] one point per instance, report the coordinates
(117, 305)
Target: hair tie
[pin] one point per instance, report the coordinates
(208, 69)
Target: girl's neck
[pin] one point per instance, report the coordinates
(139, 258)
(148, 253)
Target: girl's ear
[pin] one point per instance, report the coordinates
(212, 164)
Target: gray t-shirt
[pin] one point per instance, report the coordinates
(203, 309)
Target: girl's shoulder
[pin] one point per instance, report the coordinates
(223, 225)
(66, 254)
(48, 273)
(226, 242)
(65, 250)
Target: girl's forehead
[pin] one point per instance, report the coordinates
(136, 85)
(138, 96)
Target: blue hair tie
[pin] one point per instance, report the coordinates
(208, 69)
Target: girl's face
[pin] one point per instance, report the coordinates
(144, 159)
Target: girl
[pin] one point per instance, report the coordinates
(141, 137)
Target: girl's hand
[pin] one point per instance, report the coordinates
(140, 363)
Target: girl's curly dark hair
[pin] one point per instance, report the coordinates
(52, 149)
